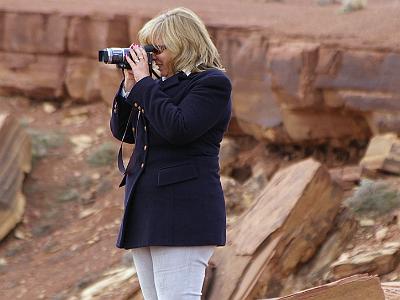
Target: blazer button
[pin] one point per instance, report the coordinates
(135, 104)
(115, 110)
(145, 147)
(142, 165)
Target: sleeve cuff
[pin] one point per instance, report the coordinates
(137, 93)
(124, 93)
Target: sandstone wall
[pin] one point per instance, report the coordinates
(285, 89)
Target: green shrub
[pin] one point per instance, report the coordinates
(373, 198)
(104, 155)
(42, 141)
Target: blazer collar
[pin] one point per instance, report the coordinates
(173, 80)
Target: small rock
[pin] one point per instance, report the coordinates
(68, 195)
(78, 111)
(96, 176)
(3, 262)
(367, 222)
(81, 142)
(381, 234)
(19, 234)
(93, 240)
(49, 108)
(394, 277)
(100, 131)
(87, 212)
(73, 247)
(74, 120)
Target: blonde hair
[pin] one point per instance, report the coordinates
(186, 37)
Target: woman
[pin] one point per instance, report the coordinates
(174, 213)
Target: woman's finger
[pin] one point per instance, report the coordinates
(143, 54)
(130, 61)
(135, 58)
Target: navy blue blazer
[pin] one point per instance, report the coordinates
(173, 193)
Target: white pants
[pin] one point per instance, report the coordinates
(171, 273)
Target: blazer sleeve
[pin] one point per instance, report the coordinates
(192, 117)
(120, 116)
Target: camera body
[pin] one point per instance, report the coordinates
(117, 56)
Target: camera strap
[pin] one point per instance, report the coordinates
(121, 165)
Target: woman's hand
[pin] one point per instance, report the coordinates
(129, 80)
(138, 63)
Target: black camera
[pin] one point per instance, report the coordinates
(117, 56)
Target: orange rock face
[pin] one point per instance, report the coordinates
(298, 76)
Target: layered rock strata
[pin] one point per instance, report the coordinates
(290, 86)
(289, 220)
(15, 161)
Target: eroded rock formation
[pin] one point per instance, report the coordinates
(15, 161)
(286, 89)
(289, 220)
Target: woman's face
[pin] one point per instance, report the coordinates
(164, 61)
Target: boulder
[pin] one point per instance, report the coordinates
(391, 290)
(359, 70)
(254, 105)
(89, 81)
(232, 193)
(377, 259)
(35, 33)
(347, 176)
(308, 125)
(80, 73)
(360, 287)
(292, 67)
(35, 76)
(363, 101)
(121, 279)
(314, 272)
(15, 159)
(88, 34)
(384, 121)
(106, 83)
(277, 233)
(383, 153)
(228, 154)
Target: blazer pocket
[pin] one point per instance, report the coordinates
(175, 174)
